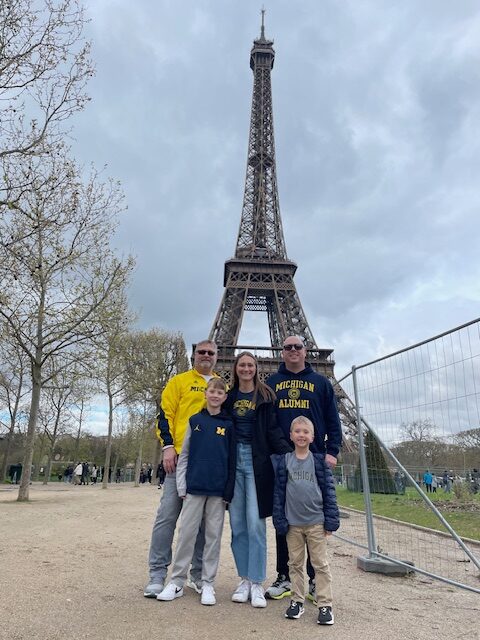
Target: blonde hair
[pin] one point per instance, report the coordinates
(303, 420)
(217, 383)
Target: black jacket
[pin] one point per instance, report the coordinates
(327, 487)
(267, 438)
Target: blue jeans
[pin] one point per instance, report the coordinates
(160, 555)
(249, 531)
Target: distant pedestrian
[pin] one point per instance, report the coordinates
(160, 475)
(447, 483)
(94, 474)
(77, 473)
(427, 481)
(434, 483)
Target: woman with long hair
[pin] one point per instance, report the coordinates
(251, 403)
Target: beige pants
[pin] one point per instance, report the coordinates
(312, 536)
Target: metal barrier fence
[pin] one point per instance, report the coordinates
(416, 407)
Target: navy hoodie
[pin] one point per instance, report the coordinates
(309, 394)
(208, 459)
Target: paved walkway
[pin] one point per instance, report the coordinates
(73, 565)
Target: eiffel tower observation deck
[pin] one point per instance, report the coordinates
(260, 276)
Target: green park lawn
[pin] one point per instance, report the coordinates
(463, 516)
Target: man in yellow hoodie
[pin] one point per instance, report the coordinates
(183, 396)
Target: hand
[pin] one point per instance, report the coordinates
(182, 497)
(170, 460)
(331, 461)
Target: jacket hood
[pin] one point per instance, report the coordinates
(286, 372)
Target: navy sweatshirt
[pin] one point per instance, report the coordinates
(309, 394)
(206, 465)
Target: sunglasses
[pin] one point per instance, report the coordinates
(204, 352)
(290, 347)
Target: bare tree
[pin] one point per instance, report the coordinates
(154, 356)
(57, 270)
(112, 363)
(44, 67)
(14, 388)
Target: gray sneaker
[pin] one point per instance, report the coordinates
(153, 589)
(281, 588)
(195, 583)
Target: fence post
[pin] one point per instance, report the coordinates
(373, 563)
(372, 545)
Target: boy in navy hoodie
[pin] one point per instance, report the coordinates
(305, 510)
(205, 481)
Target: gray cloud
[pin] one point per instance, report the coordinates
(376, 113)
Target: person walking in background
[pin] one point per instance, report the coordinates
(302, 391)
(251, 403)
(305, 511)
(160, 475)
(205, 483)
(183, 396)
(427, 481)
(77, 473)
(94, 474)
(434, 483)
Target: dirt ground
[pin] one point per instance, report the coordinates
(73, 563)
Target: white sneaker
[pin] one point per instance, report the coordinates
(208, 595)
(170, 592)
(242, 592)
(257, 595)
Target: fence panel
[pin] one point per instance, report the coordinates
(420, 408)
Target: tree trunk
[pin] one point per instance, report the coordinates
(38, 464)
(77, 440)
(157, 454)
(23, 491)
(108, 452)
(138, 461)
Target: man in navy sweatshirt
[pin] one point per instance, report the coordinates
(301, 391)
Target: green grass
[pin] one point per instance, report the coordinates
(411, 508)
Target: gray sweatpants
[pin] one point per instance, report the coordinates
(212, 509)
(160, 554)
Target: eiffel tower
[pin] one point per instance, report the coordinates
(260, 276)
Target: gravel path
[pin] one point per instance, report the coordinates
(73, 565)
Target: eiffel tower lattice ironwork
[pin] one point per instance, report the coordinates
(260, 276)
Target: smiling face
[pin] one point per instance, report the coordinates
(215, 397)
(205, 357)
(294, 354)
(301, 434)
(246, 369)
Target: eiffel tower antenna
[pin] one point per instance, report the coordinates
(260, 275)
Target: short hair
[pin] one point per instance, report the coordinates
(207, 341)
(303, 420)
(217, 383)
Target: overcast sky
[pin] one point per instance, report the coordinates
(376, 111)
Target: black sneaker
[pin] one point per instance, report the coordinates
(325, 615)
(295, 610)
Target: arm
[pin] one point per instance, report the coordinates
(277, 442)
(183, 464)
(232, 465)
(333, 426)
(165, 421)
(279, 518)
(327, 486)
